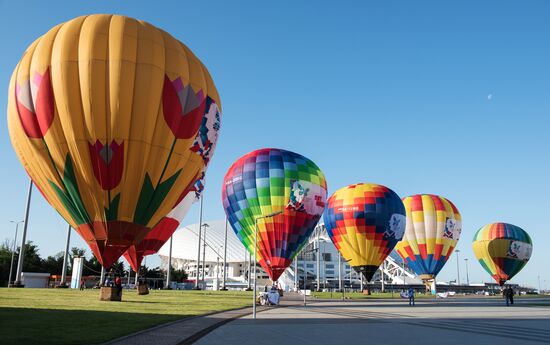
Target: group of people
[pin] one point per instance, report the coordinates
(117, 283)
(508, 293)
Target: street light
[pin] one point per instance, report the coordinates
(21, 258)
(255, 253)
(457, 267)
(197, 286)
(205, 226)
(13, 250)
(467, 277)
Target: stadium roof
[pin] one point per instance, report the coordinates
(185, 243)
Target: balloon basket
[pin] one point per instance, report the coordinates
(143, 289)
(109, 293)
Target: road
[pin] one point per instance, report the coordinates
(470, 321)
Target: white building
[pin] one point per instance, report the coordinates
(325, 266)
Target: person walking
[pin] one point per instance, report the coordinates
(411, 296)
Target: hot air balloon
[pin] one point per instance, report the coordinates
(365, 221)
(502, 249)
(267, 181)
(104, 113)
(433, 229)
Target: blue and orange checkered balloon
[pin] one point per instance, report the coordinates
(365, 221)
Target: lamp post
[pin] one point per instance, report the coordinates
(457, 267)
(255, 255)
(197, 287)
(15, 240)
(296, 287)
(65, 259)
(224, 256)
(318, 257)
(169, 269)
(339, 271)
(467, 276)
(21, 258)
(206, 226)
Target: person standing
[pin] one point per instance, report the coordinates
(411, 296)
(509, 295)
(118, 285)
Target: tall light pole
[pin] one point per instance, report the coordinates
(296, 287)
(65, 258)
(249, 272)
(255, 255)
(225, 256)
(382, 275)
(206, 226)
(318, 257)
(14, 247)
(467, 276)
(457, 267)
(169, 269)
(339, 272)
(197, 287)
(21, 258)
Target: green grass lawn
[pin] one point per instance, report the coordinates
(66, 316)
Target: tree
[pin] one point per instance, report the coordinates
(178, 275)
(53, 264)
(92, 267)
(5, 260)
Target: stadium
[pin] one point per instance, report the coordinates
(318, 264)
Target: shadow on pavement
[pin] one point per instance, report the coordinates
(46, 326)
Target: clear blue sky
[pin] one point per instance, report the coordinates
(391, 92)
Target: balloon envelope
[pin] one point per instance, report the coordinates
(432, 232)
(502, 249)
(365, 221)
(266, 181)
(104, 113)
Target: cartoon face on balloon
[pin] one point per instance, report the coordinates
(452, 230)
(396, 227)
(519, 250)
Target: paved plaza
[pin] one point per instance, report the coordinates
(451, 321)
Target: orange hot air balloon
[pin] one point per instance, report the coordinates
(112, 118)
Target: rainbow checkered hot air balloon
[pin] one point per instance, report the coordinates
(365, 221)
(502, 250)
(267, 181)
(433, 229)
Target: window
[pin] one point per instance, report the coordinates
(329, 272)
(327, 266)
(327, 257)
(309, 265)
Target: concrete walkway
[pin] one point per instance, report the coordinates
(187, 331)
(455, 321)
